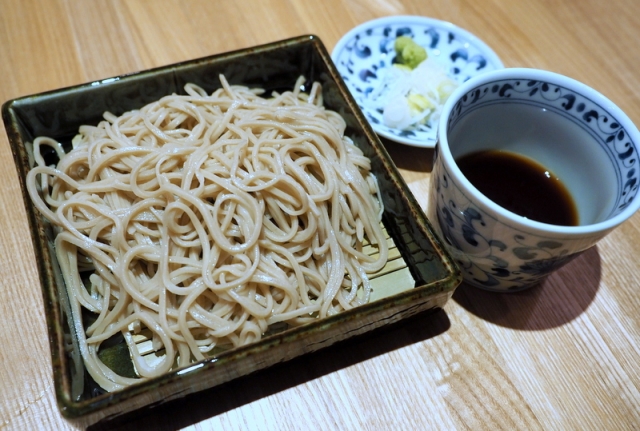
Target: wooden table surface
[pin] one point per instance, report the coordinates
(563, 356)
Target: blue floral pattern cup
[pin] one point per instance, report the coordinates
(567, 127)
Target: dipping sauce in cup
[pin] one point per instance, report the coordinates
(521, 185)
(531, 168)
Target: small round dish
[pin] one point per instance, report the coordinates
(364, 52)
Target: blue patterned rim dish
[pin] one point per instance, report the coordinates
(496, 249)
(366, 50)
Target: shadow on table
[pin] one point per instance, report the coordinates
(210, 403)
(562, 297)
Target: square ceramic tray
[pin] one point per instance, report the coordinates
(420, 276)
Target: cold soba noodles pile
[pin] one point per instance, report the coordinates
(206, 218)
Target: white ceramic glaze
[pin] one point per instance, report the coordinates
(362, 55)
(568, 127)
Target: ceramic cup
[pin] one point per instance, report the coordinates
(566, 126)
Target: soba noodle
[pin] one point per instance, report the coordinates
(204, 219)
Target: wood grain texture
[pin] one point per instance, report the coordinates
(564, 356)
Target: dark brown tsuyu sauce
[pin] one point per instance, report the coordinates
(520, 185)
